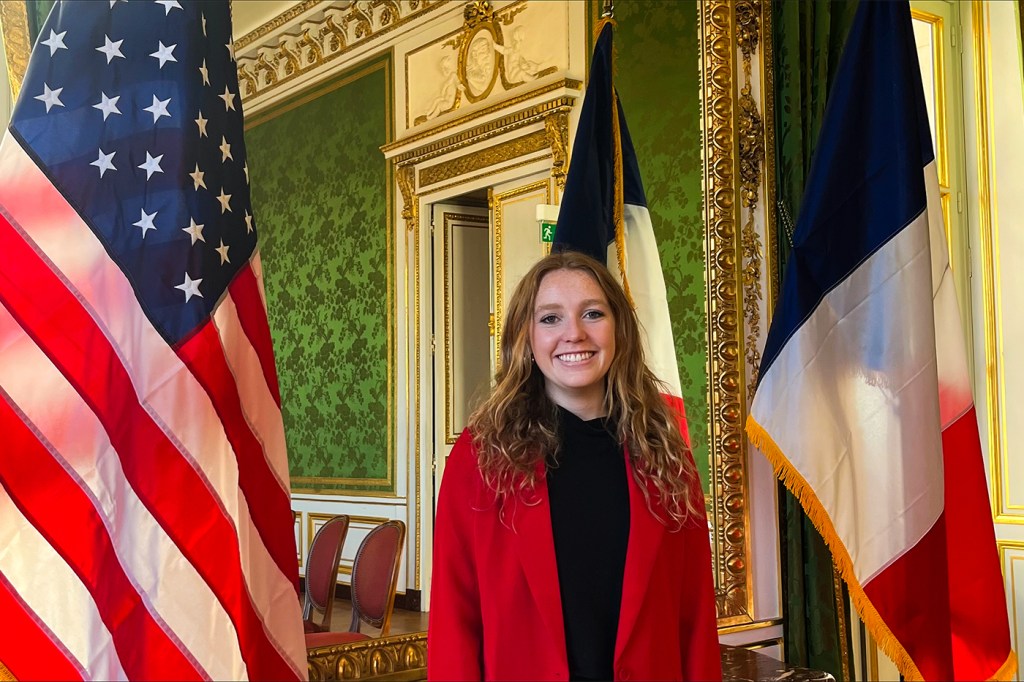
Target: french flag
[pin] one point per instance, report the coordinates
(864, 404)
(604, 213)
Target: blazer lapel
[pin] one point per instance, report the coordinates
(645, 534)
(531, 524)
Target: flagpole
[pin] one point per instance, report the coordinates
(609, 10)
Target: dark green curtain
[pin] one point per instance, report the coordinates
(37, 10)
(809, 38)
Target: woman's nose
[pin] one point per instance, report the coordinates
(573, 330)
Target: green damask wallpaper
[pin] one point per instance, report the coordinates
(656, 59)
(320, 194)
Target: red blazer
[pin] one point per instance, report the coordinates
(495, 609)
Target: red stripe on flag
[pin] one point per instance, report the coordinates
(26, 643)
(245, 293)
(918, 577)
(975, 581)
(168, 485)
(269, 504)
(951, 577)
(48, 497)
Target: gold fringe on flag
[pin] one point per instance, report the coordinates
(816, 512)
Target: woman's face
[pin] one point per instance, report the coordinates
(572, 335)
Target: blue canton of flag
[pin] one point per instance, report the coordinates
(132, 109)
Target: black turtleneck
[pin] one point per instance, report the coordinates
(590, 522)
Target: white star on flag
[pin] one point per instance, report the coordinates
(197, 178)
(206, 73)
(152, 165)
(225, 201)
(146, 221)
(223, 251)
(195, 231)
(158, 108)
(229, 99)
(245, 167)
(108, 105)
(190, 287)
(225, 149)
(164, 53)
(111, 48)
(51, 98)
(104, 162)
(248, 222)
(55, 41)
(168, 5)
(201, 122)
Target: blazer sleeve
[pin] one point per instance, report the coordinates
(455, 630)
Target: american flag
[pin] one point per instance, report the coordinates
(145, 523)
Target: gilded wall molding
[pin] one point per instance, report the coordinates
(282, 19)
(406, 176)
(467, 163)
(505, 167)
(564, 84)
(723, 266)
(17, 45)
(480, 133)
(491, 54)
(748, 27)
(771, 230)
(751, 157)
(293, 44)
(556, 125)
(451, 434)
(496, 204)
(400, 657)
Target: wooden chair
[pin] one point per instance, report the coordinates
(374, 583)
(322, 572)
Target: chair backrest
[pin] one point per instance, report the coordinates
(375, 576)
(322, 567)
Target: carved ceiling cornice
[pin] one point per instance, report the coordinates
(310, 35)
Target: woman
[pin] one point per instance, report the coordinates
(571, 539)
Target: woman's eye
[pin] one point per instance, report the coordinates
(548, 319)
(593, 315)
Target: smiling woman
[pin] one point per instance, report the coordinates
(573, 472)
(572, 341)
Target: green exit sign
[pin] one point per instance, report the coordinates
(547, 232)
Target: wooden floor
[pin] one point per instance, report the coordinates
(402, 621)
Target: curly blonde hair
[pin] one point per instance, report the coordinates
(515, 427)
